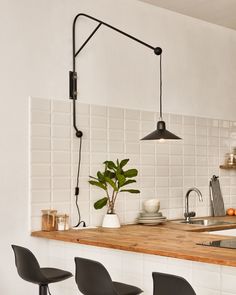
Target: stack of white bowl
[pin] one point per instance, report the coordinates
(151, 214)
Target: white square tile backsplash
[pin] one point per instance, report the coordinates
(166, 170)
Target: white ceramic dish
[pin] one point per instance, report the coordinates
(151, 205)
(145, 214)
(149, 222)
(151, 218)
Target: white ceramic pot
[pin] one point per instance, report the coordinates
(111, 221)
(151, 205)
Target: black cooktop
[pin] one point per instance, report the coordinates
(230, 244)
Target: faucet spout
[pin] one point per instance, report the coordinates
(188, 214)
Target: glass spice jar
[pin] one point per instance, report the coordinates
(49, 220)
(62, 222)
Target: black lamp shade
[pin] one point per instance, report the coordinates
(160, 133)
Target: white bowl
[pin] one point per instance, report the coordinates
(151, 205)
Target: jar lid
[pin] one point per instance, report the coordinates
(48, 211)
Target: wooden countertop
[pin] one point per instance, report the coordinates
(169, 239)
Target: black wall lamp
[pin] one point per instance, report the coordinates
(161, 133)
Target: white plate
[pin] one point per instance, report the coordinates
(153, 222)
(145, 214)
(151, 218)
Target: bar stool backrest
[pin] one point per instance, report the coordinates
(167, 284)
(27, 265)
(92, 278)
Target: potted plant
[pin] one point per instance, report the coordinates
(113, 180)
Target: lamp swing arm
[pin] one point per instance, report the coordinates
(157, 50)
(73, 74)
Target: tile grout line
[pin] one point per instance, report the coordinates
(90, 165)
(51, 157)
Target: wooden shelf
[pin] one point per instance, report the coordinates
(228, 166)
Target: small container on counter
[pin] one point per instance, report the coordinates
(49, 220)
(62, 222)
(230, 159)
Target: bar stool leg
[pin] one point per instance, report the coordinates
(43, 289)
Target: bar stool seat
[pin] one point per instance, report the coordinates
(124, 289)
(29, 270)
(92, 278)
(168, 284)
(54, 275)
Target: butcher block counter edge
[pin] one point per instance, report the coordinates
(162, 240)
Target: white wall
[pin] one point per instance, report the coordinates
(35, 60)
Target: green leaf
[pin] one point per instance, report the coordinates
(131, 173)
(100, 203)
(93, 177)
(132, 191)
(123, 163)
(110, 164)
(98, 184)
(121, 179)
(112, 184)
(109, 174)
(100, 176)
(129, 181)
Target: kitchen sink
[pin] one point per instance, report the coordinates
(204, 222)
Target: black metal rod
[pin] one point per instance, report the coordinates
(90, 36)
(157, 50)
(78, 133)
(43, 289)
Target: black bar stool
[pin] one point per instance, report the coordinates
(166, 284)
(29, 270)
(92, 278)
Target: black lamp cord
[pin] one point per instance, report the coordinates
(77, 187)
(160, 88)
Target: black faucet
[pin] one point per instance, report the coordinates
(187, 214)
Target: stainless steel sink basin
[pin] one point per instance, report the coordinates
(205, 222)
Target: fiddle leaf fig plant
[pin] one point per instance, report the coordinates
(113, 180)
